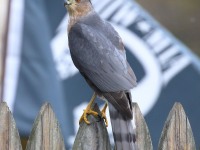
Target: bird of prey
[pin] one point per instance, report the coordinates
(98, 52)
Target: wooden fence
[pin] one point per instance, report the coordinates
(45, 135)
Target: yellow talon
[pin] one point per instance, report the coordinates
(103, 114)
(88, 111)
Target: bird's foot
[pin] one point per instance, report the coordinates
(86, 112)
(103, 114)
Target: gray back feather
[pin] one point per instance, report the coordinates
(99, 58)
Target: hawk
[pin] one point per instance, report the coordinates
(98, 52)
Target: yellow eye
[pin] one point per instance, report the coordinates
(78, 1)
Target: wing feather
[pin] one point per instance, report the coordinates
(98, 58)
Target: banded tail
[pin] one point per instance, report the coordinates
(123, 131)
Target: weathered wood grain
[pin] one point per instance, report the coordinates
(143, 138)
(45, 134)
(9, 136)
(177, 133)
(93, 136)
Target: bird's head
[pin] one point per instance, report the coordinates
(78, 7)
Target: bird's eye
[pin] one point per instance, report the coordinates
(78, 1)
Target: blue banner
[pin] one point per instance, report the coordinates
(39, 66)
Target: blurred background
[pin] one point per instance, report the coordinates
(38, 65)
(180, 17)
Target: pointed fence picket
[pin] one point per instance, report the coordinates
(177, 132)
(9, 136)
(45, 135)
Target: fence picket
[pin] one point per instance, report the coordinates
(143, 138)
(93, 136)
(45, 134)
(9, 136)
(177, 132)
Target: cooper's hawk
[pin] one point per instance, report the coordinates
(98, 52)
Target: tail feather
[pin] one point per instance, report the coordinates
(123, 131)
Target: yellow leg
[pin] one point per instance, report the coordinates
(103, 114)
(88, 110)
